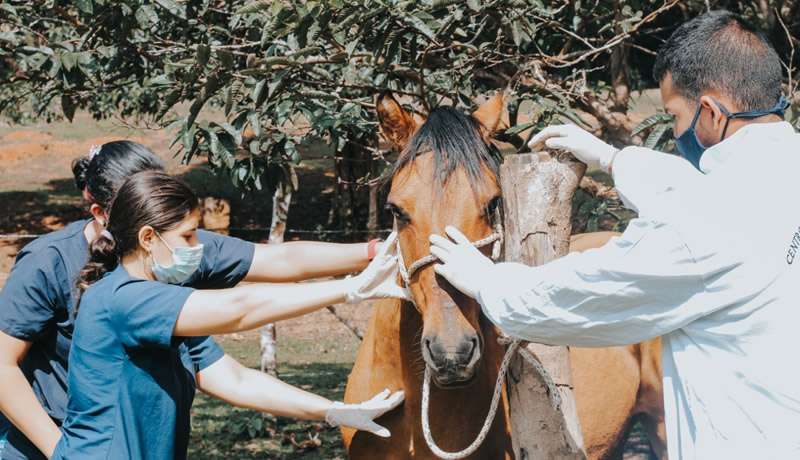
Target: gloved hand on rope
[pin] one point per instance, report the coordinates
(362, 416)
(463, 265)
(577, 141)
(379, 279)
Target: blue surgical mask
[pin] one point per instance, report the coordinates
(689, 145)
(185, 261)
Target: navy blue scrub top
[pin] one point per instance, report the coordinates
(131, 390)
(37, 304)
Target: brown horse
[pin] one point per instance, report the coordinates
(447, 174)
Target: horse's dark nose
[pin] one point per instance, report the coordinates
(453, 361)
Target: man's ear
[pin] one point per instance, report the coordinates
(490, 114)
(718, 117)
(395, 123)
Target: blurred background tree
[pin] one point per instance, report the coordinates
(249, 84)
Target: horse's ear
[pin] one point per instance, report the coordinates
(395, 123)
(491, 112)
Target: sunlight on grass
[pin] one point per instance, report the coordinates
(319, 365)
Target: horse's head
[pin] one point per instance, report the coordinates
(447, 174)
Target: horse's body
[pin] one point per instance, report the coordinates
(446, 331)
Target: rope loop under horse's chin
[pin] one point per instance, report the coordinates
(498, 387)
(513, 346)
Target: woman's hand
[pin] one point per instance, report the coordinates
(379, 279)
(362, 416)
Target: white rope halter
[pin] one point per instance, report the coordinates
(407, 273)
(513, 345)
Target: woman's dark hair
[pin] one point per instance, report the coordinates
(102, 173)
(151, 198)
(721, 51)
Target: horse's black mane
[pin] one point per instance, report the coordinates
(454, 139)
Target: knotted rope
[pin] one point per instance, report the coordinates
(512, 346)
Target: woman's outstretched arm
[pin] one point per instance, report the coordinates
(209, 312)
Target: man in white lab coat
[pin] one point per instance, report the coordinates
(712, 263)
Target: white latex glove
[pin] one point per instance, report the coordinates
(362, 416)
(379, 279)
(577, 141)
(463, 265)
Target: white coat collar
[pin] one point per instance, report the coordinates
(747, 138)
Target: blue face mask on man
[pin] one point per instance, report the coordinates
(689, 145)
(185, 261)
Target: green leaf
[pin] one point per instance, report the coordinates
(255, 123)
(8, 36)
(255, 7)
(439, 4)
(255, 146)
(654, 140)
(278, 60)
(68, 106)
(516, 32)
(163, 79)
(237, 136)
(658, 118)
(225, 58)
(169, 101)
(146, 16)
(68, 60)
(420, 25)
(520, 127)
(257, 90)
(174, 8)
(85, 6)
(203, 55)
(307, 51)
(187, 137)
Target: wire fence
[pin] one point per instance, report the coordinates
(239, 229)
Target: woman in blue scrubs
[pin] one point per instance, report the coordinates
(135, 353)
(37, 303)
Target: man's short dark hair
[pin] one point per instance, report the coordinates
(723, 52)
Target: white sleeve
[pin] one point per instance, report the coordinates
(642, 175)
(638, 286)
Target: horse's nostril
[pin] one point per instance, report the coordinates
(472, 350)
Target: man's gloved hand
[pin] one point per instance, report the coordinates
(379, 279)
(362, 416)
(463, 265)
(577, 141)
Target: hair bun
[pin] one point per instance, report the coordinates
(80, 168)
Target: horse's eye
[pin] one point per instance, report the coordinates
(398, 213)
(492, 208)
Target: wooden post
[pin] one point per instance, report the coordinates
(537, 195)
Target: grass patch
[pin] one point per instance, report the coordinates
(220, 430)
(319, 365)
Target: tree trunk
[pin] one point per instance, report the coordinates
(269, 339)
(280, 213)
(355, 204)
(537, 194)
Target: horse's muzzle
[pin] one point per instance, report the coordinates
(454, 365)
